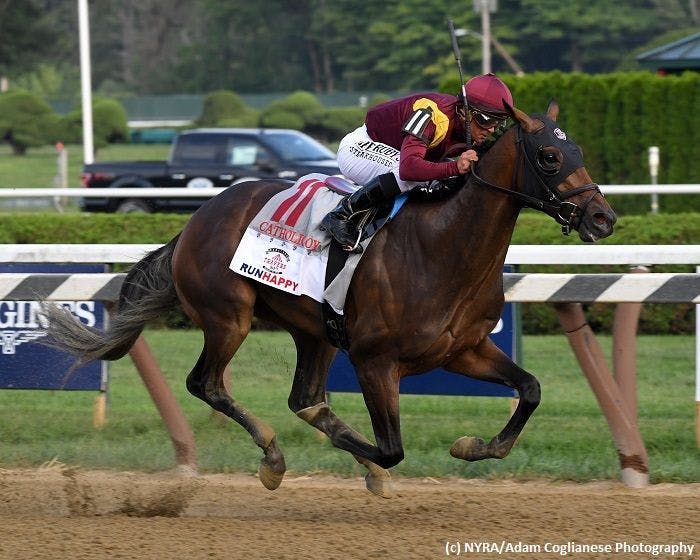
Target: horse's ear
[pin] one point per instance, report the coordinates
(553, 109)
(528, 124)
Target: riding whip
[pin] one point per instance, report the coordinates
(458, 58)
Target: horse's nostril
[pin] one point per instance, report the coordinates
(601, 219)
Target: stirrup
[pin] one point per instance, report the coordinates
(355, 247)
(366, 216)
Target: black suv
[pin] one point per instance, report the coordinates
(208, 157)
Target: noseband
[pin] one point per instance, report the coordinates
(553, 202)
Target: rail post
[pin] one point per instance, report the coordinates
(179, 429)
(624, 355)
(628, 442)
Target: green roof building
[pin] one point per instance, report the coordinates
(673, 58)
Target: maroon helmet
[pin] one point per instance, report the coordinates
(486, 93)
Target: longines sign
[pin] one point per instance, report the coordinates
(25, 364)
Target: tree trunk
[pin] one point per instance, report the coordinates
(328, 72)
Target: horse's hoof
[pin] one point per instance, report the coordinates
(380, 484)
(500, 451)
(469, 449)
(270, 478)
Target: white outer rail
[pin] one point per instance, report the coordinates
(517, 254)
(79, 192)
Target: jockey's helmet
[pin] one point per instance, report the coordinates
(487, 93)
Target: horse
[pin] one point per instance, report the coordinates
(398, 325)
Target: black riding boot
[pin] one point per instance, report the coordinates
(339, 223)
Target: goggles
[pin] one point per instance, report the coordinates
(485, 120)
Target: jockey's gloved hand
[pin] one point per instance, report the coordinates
(437, 190)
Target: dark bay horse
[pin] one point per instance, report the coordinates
(426, 294)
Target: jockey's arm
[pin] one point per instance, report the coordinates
(414, 167)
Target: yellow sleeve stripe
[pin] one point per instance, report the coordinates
(440, 119)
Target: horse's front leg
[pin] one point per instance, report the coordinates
(487, 362)
(307, 400)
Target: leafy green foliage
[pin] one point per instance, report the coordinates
(25, 120)
(281, 118)
(226, 108)
(28, 35)
(649, 229)
(301, 104)
(616, 117)
(332, 124)
(319, 45)
(109, 124)
(90, 228)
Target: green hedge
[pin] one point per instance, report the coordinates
(533, 228)
(89, 228)
(615, 118)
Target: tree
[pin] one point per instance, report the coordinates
(588, 36)
(198, 46)
(26, 35)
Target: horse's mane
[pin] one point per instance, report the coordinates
(493, 139)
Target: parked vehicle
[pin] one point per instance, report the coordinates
(215, 157)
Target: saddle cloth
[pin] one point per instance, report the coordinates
(285, 248)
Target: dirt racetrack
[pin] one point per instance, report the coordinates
(61, 513)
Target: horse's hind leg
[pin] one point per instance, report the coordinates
(223, 335)
(308, 400)
(488, 363)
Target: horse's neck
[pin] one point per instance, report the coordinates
(480, 222)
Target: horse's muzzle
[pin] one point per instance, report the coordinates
(597, 220)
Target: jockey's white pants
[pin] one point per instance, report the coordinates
(361, 159)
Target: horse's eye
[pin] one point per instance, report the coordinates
(549, 160)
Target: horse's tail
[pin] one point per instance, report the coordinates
(147, 292)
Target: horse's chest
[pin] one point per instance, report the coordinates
(473, 318)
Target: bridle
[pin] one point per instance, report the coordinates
(554, 202)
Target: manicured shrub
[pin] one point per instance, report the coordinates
(615, 118)
(225, 108)
(26, 120)
(294, 111)
(109, 124)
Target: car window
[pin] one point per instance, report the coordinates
(242, 151)
(297, 147)
(194, 149)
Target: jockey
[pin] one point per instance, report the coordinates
(403, 143)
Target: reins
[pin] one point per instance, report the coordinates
(555, 204)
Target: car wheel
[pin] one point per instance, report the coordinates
(133, 205)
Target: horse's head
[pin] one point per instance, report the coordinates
(555, 179)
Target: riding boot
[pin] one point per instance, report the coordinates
(339, 221)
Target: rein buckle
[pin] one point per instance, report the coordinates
(567, 211)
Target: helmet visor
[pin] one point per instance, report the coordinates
(486, 121)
